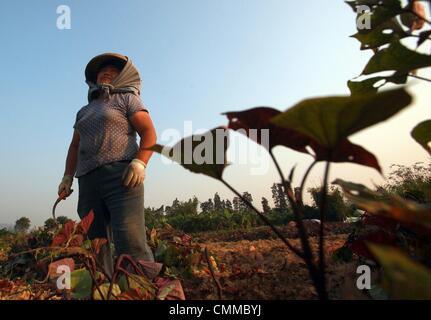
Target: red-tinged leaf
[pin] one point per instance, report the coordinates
(86, 222)
(58, 240)
(360, 247)
(150, 269)
(330, 120)
(77, 240)
(347, 151)
(96, 244)
(169, 289)
(54, 267)
(160, 281)
(259, 119)
(64, 235)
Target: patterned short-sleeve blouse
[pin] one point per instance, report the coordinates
(105, 131)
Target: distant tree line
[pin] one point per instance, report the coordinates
(216, 213)
(412, 182)
(23, 224)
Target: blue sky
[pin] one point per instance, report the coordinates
(197, 59)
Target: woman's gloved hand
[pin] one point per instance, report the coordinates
(134, 174)
(65, 185)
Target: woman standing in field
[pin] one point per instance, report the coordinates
(106, 159)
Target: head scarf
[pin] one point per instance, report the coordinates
(128, 80)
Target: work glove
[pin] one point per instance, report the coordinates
(134, 174)
(65, 185)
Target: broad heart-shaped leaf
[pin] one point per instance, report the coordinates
(384, 28)
(404, 278)
(81, 284)
(368, 86)
(371, 24)
(64, 234)
(422, 134)
(379, 35)
(408, 212)
(201, 153)
(150, 269)
(56, 266)
(347, 151)
(398, 58)
(330, 120)
(258, 118)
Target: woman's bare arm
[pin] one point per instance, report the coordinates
(72, 155)
(143, 124)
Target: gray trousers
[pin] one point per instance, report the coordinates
(118, 213)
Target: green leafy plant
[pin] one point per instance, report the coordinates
(40, 253)
(396, 233)
(322, 124)
(390, 23)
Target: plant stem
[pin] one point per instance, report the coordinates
(419, 77)
(118, 268)
(308, 255)
(210, 267)
(322, 223)
(94, 280)
(304, 178)
(265, 219)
